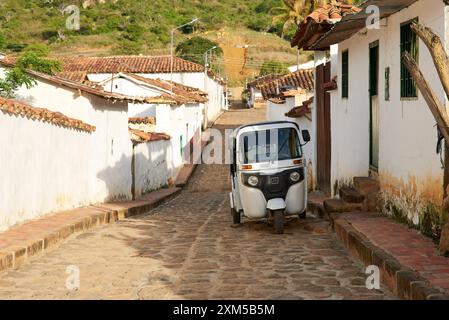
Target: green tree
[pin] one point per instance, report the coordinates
(17, 76)
(195, 48)
(273, 67)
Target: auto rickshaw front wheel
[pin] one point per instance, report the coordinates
(236, 216)
(303, 215)
(279, 221)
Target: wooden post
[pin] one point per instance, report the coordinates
(437, 51)
(439, 113)
(436, 107)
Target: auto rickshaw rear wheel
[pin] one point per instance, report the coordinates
(279, 221)
(236, 216)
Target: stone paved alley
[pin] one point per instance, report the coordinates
(187, 249)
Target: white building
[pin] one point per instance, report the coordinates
(380, 124)
(98, 69)
(176, 109)
(74, 153)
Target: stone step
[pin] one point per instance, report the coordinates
(351, 195)
(341, 206)
(370, 188)
(366, 185)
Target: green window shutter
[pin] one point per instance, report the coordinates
(409, 43)
(345, 75)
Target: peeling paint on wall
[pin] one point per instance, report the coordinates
(414, 201)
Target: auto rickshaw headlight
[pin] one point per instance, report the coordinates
(295, 176)
(253, 181)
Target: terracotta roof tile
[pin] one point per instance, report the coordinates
(142, 120)
(301, 79)
(301, 111)
(139, 136)
(78, 76)
(129, 64)
(263, 79)
(179, 93)
(320, 22)
(14, 107)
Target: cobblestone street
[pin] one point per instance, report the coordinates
(187, 249)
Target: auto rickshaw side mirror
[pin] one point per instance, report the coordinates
(306, 136)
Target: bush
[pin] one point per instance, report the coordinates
(195, 48)
(273, 67)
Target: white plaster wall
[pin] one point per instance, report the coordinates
(154, 166)
(43, 168)
(105, 153)
(111, 151)
(407, 132)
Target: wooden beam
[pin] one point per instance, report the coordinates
(437, 51)
(435, 105)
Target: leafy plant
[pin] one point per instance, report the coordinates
(17, 76)
(195, 48)
(273, 67)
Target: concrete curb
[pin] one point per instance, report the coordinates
(404, 282)
(102, 214)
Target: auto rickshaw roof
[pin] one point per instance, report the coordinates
(265, 123)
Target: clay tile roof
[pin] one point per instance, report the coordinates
(179, 93)
(321, 21)
(14, 107)
(139, 136)
(301, 79)
(77, 76)
(301, 111)
(142, 120)
(263, 79)
(129, 64)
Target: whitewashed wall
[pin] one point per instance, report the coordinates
(59, 181)
(43, 168)
(154, 166)
(407, 128)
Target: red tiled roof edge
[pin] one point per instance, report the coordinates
(79, 86)
(303, 79)
(14, 107)
(129, 64)
(178, 93)
(142, 120)
(319, 22)
(302, 110)
(149, 137)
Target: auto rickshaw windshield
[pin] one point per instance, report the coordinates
(270, 145)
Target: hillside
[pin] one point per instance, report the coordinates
(143, 27)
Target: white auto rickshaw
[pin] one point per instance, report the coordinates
(268, 172)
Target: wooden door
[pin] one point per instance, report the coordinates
(323, 103)
(374, 104)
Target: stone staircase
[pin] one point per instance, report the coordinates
(361, 197)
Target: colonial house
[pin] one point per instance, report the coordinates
(289, 98)
(379, 123)
(99, 69)
(75, 152)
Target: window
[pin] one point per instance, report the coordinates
(345, 74)
(270, 145)
(409, 43)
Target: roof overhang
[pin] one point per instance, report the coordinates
(351, 24)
